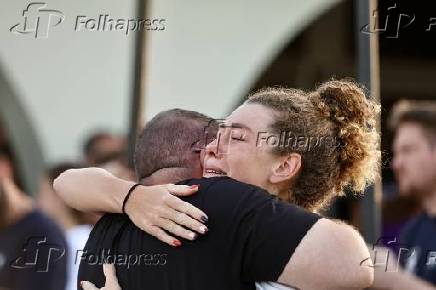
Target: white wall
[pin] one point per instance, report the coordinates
(213, 51)
(207, 57)
(70, 82)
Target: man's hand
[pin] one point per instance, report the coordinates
(111, 280)
(155, 209)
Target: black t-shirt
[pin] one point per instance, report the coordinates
(33, 254)
(418, 242)
(251, 237)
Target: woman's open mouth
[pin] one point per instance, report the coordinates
(213, 172)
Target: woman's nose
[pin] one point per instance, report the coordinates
(212, 148)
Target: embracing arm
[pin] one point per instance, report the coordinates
(151, 208)
(92, 190)
(329, 257)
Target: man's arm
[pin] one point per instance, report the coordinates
(329, 257)
(151, 208)
(111, 280)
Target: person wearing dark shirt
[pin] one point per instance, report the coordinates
(414, 164)
(32, 247)
(252, 236)
(162, 158)
(32, 254)
(419, 239)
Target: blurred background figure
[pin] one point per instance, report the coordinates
(32, 246)
(75, 224)
(109, 151)
(414, 165)
(102, 147)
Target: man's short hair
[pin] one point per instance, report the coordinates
(168, 139)
(422, 113)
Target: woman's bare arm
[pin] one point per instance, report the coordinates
(92, 190)
(151, 208)
(329, 257)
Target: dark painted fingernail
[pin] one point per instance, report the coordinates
(203, 229)
(204, 219)
(193, 236)
(177, 243)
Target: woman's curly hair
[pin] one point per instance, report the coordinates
(338, 111)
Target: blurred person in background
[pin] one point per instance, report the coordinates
(76, 225)
(117, 165)
(32, 246)
(102, 146)
(414, 165)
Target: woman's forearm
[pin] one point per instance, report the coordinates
(155, 209)
(92, 190)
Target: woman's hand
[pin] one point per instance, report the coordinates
(111, 280)
(155, 209)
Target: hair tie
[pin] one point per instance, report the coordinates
(128, 196)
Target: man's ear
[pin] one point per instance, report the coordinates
(286, 168)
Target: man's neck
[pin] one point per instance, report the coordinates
(167, 175)
(429, 203)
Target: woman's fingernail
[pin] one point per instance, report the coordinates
(203, 229)
(177, 243)
(204, 219)
(195, 186)
(193, 236)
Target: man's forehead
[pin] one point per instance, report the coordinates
(409, 134)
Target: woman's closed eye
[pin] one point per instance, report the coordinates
(238, 135)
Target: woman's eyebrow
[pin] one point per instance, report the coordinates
(237, 126)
